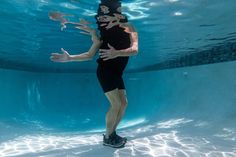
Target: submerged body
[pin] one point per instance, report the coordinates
(110, 72)
(118, 40)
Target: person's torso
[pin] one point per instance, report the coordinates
(117, 38)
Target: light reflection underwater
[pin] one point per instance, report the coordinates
(179, 137)
(169, 138)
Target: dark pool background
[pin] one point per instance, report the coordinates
(181, 86)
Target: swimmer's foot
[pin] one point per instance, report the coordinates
(119, 138)
(113, 141)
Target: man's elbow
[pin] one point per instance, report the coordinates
(98, 43)
(135, 51)
(90, 57)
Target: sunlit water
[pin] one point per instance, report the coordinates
(177, 27)
(56, 110)
(182, 118)
(175, 137)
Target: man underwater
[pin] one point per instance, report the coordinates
(118, 40)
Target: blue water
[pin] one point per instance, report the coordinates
(181, 86)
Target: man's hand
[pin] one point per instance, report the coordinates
(56, 57)
(86, 30)
(57, 16)
(84, 26)
(109, 53)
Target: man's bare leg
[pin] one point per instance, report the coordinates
(124, 103)
(112, 114)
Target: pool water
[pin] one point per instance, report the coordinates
(181, 87)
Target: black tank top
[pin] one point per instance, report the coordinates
(117, 38)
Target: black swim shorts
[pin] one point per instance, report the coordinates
(110, 75)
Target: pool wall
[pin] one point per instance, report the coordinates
(76, 101)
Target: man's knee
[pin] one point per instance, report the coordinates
(124, 103)
(116, 105)
(114, 98)
(123, 98)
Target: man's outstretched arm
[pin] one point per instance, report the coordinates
(92, 51)
(66, 57)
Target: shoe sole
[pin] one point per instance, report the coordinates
(115, 146)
